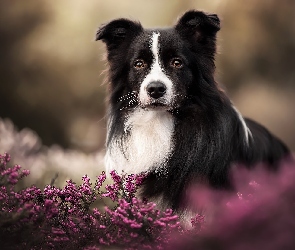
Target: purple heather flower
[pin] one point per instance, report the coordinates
(116, 178)
(70, 217)
(100, 180)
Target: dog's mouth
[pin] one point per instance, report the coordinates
(156, 105)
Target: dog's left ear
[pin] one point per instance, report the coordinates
(198, 25)
(117, 32)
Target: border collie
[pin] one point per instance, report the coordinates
(168, 117)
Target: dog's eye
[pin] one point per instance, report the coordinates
(176, 63)
(139, 64)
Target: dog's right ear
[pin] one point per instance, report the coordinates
(198, 25)
(117, 31)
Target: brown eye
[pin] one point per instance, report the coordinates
(139, 64)
(176, 63)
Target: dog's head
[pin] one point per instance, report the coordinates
(159, 68)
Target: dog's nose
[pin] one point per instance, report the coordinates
(156, 89)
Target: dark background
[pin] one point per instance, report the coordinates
(51, 69)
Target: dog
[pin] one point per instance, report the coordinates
(167, 116)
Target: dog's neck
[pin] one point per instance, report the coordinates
(144, 145)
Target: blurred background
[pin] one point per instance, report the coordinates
(52, 90)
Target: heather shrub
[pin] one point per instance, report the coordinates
(64, 218)
(258, 215)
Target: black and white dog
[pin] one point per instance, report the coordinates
(167, 115)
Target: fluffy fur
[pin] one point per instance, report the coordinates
(167, 115)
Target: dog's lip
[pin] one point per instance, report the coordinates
(156, 105)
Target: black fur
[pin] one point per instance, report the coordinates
(209, 136)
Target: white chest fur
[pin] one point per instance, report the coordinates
(147, 146)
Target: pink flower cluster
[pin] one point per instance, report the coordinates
(259, 215)
(55, 218)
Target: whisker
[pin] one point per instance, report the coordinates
(128, 96)
(132, 101)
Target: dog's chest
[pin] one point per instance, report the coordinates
(146, 144)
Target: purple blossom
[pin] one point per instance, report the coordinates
(73, 216)
(100, 180)
(116, 178)
(63, 217)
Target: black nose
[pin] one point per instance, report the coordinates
(156, 89)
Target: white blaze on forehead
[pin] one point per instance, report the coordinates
(155, 48)
(156, 74)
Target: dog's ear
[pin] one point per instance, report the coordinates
(118, 31)
(198, 25)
